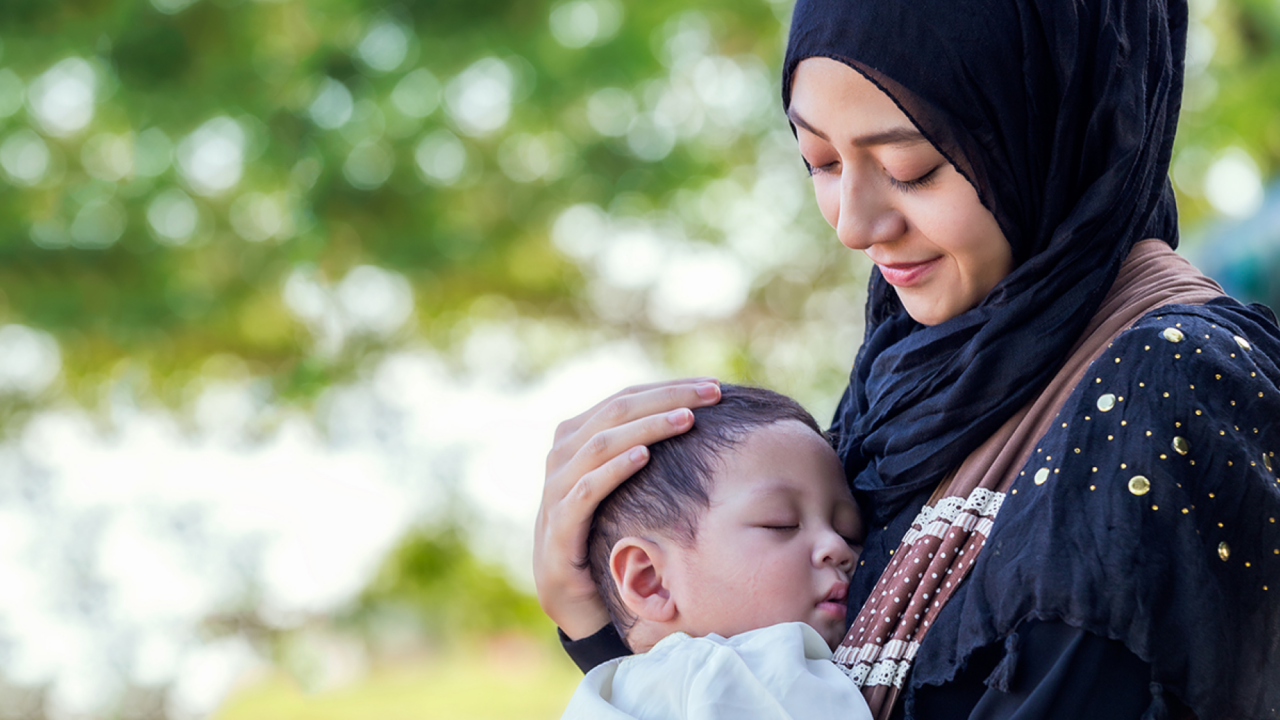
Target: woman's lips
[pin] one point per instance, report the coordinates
(906, 274)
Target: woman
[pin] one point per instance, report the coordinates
(1064, 437)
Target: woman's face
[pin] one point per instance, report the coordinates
(889, 193)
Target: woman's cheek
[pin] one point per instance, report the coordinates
(827, 192)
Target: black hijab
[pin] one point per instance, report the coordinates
(1062, 116)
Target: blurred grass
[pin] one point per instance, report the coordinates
(508, 680)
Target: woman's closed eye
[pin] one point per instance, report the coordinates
(830, 168)
(918, 183)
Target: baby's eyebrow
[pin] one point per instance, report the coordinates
(773, 492)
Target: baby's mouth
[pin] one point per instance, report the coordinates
(835, 598)
(838, 593)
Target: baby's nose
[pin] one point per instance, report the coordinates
(835, 550)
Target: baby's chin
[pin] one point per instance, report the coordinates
(833, 634)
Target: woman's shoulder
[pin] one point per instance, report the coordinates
(1150, 511)
(1185, 386)
(1188, 357)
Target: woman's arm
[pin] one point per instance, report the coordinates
(593, 454)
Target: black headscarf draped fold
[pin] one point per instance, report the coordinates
(1062, 116)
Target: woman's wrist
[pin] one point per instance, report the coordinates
(584, 623)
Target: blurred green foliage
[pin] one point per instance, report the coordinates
(170, 305)
(434, 580)
(343, 103)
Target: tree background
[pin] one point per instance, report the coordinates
(293, 293)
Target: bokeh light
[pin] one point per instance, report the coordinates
(173, 217)
(441, 158)
(479, 98)
(211, 158)
(1233, 184)
(24, 157)
(62, 99)
(579, 23)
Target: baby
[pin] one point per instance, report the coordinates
(725, 564)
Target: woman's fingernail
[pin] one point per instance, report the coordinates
(638, 454)
(708, 391)
(678, 417)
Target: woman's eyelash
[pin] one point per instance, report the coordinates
(819, 169)
(904, 185)
(916, 184)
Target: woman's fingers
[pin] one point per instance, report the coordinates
(565, 528)
(565, 588)
(571, 426)
(597, 463)
(615, 455)
(621, 410)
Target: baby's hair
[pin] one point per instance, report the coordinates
(670, 493)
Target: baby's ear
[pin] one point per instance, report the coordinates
(637, 566)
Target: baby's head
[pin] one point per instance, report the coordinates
(742, 522)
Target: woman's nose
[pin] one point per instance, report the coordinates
(865, 215)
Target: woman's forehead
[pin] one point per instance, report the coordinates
(829, 96)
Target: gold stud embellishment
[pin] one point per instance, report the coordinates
(1106, 402)
(1266, 462)
(1042, 476)
(1173, 335)
(1244, 344)
(1139, 485)
(1224, 551)
(1180, 445)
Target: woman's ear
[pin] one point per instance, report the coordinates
(638, 568)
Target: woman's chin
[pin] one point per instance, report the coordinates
(928, 310)
(927, 313)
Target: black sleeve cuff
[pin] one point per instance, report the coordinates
(593, 650)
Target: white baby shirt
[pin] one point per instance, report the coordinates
(779, 672)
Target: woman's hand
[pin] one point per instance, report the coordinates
(593, 454)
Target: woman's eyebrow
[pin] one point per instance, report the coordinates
(893, 136)
(896, 136)
(795, 118)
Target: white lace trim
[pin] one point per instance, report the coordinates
(983, 502)
(944, 513)
(887, 672)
